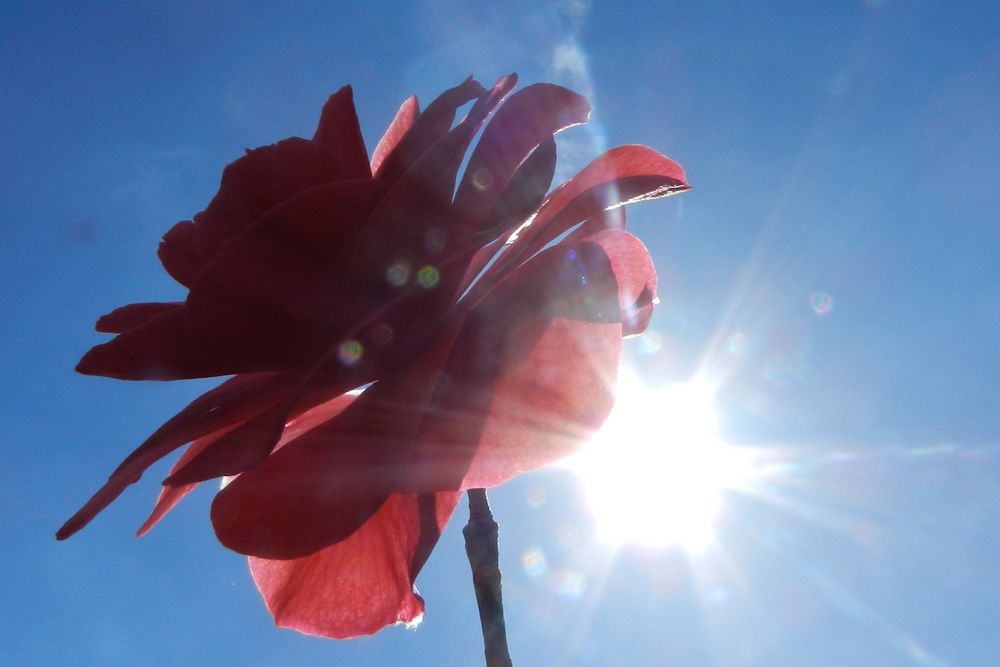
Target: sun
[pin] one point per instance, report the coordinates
(656, 473)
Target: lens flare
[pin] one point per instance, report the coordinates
(349, 352)
(428, 276)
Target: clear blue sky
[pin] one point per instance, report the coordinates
(843, 153)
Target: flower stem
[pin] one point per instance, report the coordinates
(482, 548)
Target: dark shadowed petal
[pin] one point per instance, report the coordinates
(275, 297)
(132, 315)
(414, 224)
(157, 349)
(529, 117)
(430, 181)
(363, 583)
(226, 406)
(428, 128)
(530, 377)
(623, 175)
(525, 190)
(339, 129)
(261, 180)
(522, 196)
(397, 129)
(179, 253)
(322, 486)
(251, 442)
(171, 495)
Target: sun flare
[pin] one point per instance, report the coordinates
(656, 472)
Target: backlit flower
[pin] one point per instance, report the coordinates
(315, 271)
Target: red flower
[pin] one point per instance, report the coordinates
(314, 272)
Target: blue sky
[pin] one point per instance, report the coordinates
(834, 273)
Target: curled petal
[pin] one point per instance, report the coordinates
(623, 175)
(363, 583)
(531, 116)
(635, 275)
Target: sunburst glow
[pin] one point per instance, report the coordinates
(656, 473)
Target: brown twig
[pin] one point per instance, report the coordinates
(482, 547)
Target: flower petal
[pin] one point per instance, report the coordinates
(339, 129)
(157, 349)
(635, 274)
(179, 253)
(229, 404)
(528, 118)
(622, 175)
(170, 495)
(364, 582)
(522, 196)
(321, 487)
(530, 377)
(414, 224)
(397, 129)
(525, 190)
(275, 297)
(130, 316)
(249, 444)
(262, 179)
(428, 128)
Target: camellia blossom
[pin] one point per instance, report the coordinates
(486, 348)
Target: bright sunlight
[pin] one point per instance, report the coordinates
(656, 473)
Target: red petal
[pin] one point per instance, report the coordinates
(338, 127)
(321, 487)
(428, 128)
(130, 316)
(635, 275)
(400, 125)
(261, 180)
(530, 377)
(171, 495)
(363, 583)
(623, 175)
(157, 349)
(249, 444)
(529, 117)
(179, 254)
(524, 193)
(229, 404)
(419, 207)
(275, 296)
